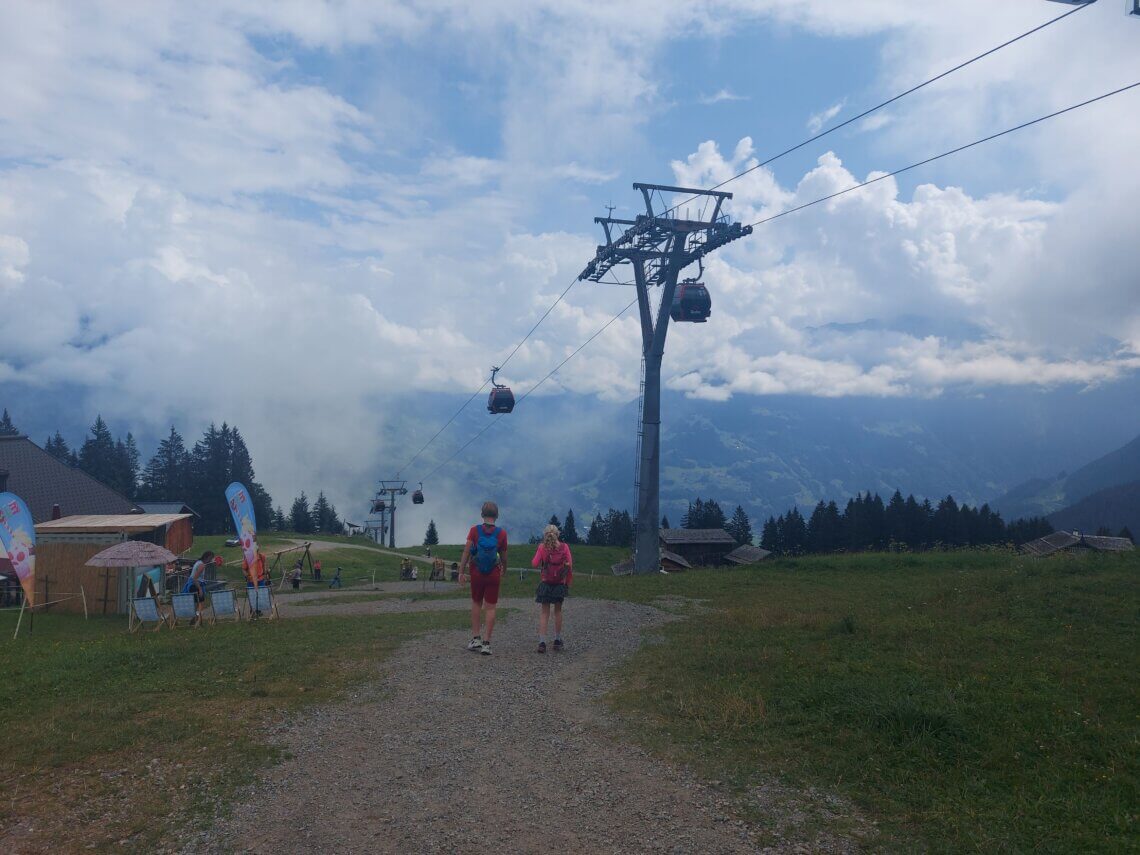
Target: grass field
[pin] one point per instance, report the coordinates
(962, 701)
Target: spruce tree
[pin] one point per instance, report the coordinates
(665, 522)
(57, 447)
(300, 518)
(554, 521)
(768, 535)
(431, 536)
(166, 477)
(97, 455)
(740, 527)
(570, 531)
(1125, 532)
(6, 426)
(596, 535)
(320, 513)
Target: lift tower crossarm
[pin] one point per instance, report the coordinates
(658, 248)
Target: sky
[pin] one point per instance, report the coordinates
(278, 214)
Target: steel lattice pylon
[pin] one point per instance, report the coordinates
(658, 246)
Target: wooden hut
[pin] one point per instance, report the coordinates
(747, 554)
(63, 547)
(1064, 541)
(701, 547)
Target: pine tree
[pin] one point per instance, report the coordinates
(97, 455)
(167, 475)
(665, 522)
(570, 531)
(57, 447)
(740, 527)
(596, 535)
(431, 536)
(300, 519)
(1126, 532)
(280, 522)
(320, 514)
(768, 535)
(554, 522)
(6, 426)
(126, 467)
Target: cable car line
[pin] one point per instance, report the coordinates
(886, 103)
(553, 371)
(945, 154)
(475, 395)
(770, 160)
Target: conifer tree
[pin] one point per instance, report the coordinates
(57, 447)
(6, 426)
(97, 455)
(431, 536)
(768, 535)
(740, 527)
(554, 521)
(300, 517)
(596, 534)
(665, 522)
(167, 475)
(1125, 532)
(570, 530)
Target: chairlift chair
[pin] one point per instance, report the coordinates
(418, 495)
(691, 302)
(501, 399)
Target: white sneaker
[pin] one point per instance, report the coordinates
(486, 648)
(475, 644)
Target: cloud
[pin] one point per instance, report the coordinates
(817, 120)
(720, 96)
(278, 214)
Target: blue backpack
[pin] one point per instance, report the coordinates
(486, 550)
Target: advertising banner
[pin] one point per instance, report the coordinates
(18, 535)
(241, 507)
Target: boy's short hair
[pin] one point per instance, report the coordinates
(490, 509)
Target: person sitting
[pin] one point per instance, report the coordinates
(437, 573)
(454, 571)
(406, 570)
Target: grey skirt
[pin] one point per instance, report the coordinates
(547, 593)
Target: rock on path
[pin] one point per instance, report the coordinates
(453, 751)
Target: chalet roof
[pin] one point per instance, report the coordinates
(1060, 540)
(674, 536)
(42, 481)
(100, 523)
(167, 508)
(747, 554)
(666, 555)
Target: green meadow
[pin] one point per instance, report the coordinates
(959, 701)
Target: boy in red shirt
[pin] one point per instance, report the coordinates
(486, 551)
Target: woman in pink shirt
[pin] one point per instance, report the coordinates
(553, 556)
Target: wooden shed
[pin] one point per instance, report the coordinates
(1064, 541)
(701, 547)
(63, 547)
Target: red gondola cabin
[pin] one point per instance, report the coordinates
(691, 302)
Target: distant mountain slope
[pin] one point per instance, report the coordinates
(1114, 508)
(1044, 496)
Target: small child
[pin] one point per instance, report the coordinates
(295, 577)
(335, 583)
(553, 556)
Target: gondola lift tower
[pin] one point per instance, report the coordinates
(658, 245)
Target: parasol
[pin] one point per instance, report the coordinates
(132, 553)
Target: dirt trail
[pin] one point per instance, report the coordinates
(453, 751)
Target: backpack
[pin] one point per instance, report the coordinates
(486, 550)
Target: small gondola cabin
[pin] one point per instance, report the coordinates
(691, 303)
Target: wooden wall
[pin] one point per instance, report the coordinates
(60, 570)
(180, 536)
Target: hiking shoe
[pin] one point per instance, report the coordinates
(475, 644)
(486, 648)
(558, 645)
(542, 647)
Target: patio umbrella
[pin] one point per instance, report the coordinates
(132, 553)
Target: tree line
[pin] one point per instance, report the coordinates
(196, 476)
(867, 524)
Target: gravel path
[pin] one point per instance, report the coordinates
(453, 751)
